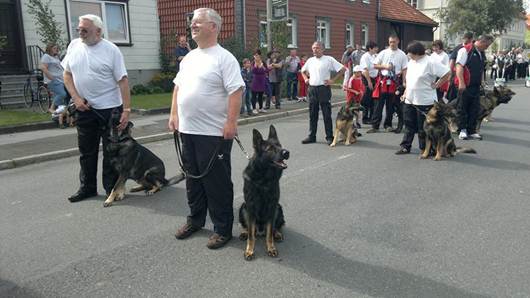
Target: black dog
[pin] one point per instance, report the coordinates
(261, 209)
(133, 161)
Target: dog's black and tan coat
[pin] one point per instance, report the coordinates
(261, 209)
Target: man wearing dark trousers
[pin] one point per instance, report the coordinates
(392, 65)
(204, 111)
(316, 73)
(97, 88)
(469, 101)
(369, 79)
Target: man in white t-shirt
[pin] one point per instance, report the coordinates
(96, 78)
(204, 111)
(441, 56)
(317, 74)
(392, 65)
(422, 80)
(369, 79)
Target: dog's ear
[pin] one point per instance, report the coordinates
(495, 91)
(257, 139)
(272, 133)
(130, 125)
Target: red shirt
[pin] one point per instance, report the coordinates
(357, 85)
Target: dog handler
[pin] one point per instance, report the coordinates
(316, 72)
(204, 110)
(420, 93)
(96, 78)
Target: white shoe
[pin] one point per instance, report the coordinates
(262, 111)
(475, 136)
(463, 135)
(255, 112)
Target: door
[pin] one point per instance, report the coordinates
(11, 38)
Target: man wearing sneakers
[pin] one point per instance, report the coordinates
(206, 115)
(469, 103)
(392, 65)
(317, 73)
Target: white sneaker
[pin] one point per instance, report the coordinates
(262, 111)
(475, 136)
(463, 135)
(255, 112)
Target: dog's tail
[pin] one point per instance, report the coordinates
(175, 179)
(465, 150)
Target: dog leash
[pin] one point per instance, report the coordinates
(242, 148)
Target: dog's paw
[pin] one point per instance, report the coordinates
(278, 236)
(249, 255)
(332, 145)
(120, 197)
(272, 252)
(243, 236)
(437, 158)
(423, 156)
(107, 204)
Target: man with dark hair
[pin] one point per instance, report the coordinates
(452, 91)
(369, 79)
(469, 103)
(182, 49)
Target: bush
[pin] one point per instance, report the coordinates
(162, 81)
(140, 89)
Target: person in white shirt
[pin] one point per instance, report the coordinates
(317, 74)
(96, 78)
(204, 112)
(424, 75)
(441, 56)
(51, 67)
(369, 79)
(392, 65)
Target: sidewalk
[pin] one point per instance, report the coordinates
(24, 148)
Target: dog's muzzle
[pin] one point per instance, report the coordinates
(281, 163)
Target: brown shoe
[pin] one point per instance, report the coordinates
(186, 230)
(217, 241)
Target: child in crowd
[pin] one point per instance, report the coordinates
(302, 92)
(246, 73)
(355, 90)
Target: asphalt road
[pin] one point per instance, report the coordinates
(361, 222)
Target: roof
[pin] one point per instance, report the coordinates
(401, 11)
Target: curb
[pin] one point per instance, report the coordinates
(27, 127)
(59, 154)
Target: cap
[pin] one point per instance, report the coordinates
(357, 68)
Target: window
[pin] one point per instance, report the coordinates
(366, 1)
(114, 16)
(323, 33)
(364, 34)
(292, 32)
(413, 3)
(263, 34)
(349, 34)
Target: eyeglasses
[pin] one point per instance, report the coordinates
(81, 30)
(200, 22)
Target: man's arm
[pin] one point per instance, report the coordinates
(339, 73)
(173, 123)
(126, 100)
(366, 75)
(460, 76)
(234, 106)
(69, 84)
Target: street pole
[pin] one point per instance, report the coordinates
(269, 18)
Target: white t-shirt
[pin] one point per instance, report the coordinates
(319, 69)
(442, 57)
(54, 67)
(420, 76)
(96, 71)
(367, 62)
(397, 58)
(205, 80)
(461, 57)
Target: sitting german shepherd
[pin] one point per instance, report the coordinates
(261, 209)
(438, 135)
(488, 102)
(345, 124)
(133, 161)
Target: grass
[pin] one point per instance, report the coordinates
(151, 101)
(16, 117)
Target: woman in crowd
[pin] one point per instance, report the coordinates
(53, 75)
(259, 84)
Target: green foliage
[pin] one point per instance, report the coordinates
(236, 46)
(481, 16)
(280, 37)
(49, 30)
(162, 81)
(163, 57)
(140, 89)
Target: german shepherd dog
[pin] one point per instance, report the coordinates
(488, 102)
(438, 135)
(261, 209)
(133, 161)
(345, 124)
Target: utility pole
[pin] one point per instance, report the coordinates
(269, 22)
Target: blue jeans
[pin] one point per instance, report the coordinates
(292, 85)
(246, 101)
(59, 94)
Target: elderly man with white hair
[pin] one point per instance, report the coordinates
(204, 111)
(96, 78)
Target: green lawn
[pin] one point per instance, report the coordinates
(14, 117)
(151, 101)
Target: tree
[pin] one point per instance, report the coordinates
(481, 16)
(49, 30)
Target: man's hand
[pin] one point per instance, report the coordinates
(328, 82)
(124, 120)
(173, 123)
(229, 130)
(461, 86)
(81, 104)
